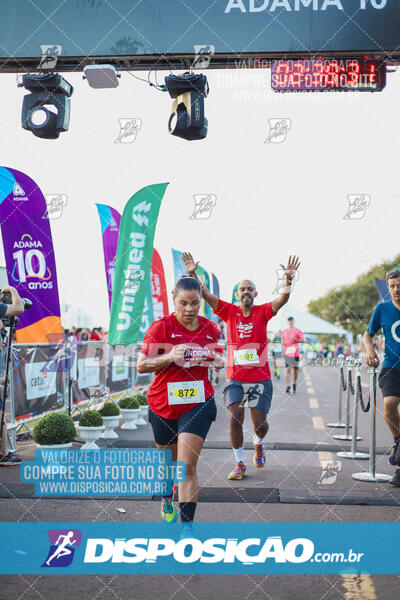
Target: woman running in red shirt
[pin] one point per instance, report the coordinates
(179, 348)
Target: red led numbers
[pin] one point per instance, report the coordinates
(345, 74)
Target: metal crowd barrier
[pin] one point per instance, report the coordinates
(341, 388)
(357, 397)
(17, 420)
(66, 385)
(349, 393)
(371, 475)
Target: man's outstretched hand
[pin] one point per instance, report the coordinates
(291, 268)
(189, 263)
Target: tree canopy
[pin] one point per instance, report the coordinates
(350, 306)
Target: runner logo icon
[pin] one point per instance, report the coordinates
(62, 547)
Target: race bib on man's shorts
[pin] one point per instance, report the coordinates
(248, 356)
(186, 392)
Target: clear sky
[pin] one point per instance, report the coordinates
(272, 199)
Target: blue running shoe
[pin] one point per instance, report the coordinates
(168, 512)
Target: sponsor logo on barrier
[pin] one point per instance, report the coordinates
(62, 547)
(120, 368)
(39, 382)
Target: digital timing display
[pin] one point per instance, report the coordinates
(322, 75)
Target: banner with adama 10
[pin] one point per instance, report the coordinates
(29, 254)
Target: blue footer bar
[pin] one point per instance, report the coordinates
(208, 548)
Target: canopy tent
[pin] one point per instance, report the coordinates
(305, 321)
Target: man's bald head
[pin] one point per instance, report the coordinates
(246, 293)
(247, 281)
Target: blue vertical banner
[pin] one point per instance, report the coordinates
(179, 267)
(215, 285)
(179, 270)
(109, 220)
(234, 296)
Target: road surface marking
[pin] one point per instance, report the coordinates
(313, 403)
(358, 587)
(310, 390)
(328, 456)
(318, 423)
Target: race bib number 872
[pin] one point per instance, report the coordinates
(186, 392)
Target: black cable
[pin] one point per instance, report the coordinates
(343, 381)
(351, 388)
(160, 88)
(360, 397)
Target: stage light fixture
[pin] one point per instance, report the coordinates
(187, 119)
(46, 110)
(101, 76)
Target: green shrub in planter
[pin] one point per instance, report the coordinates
(142, 399)
(110, 409)
(91, 418)
(55, 428)
(129, 402)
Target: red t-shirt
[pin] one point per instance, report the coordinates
(160, 338)
(290, 347)
(250, 334)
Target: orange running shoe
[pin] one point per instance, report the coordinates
(238, 472)
(259, 455)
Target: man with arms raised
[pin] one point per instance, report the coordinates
(387, 316)
(248, 374)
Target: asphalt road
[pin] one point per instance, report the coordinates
(295, 485)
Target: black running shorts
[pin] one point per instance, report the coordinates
(389, 382)
(197, 420)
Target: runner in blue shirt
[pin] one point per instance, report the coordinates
(387, 316)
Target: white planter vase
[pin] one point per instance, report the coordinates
(62, 468)
(90, 435)
(110, 423)
(144, 411)
(130, 416)
(54, 446)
